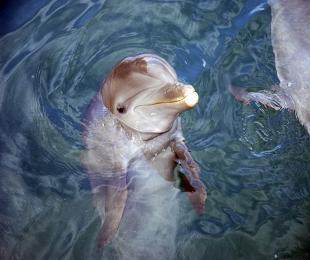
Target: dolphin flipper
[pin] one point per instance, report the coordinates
(110, 197)
(109, 189)
(191, 176)
(115, 200)
(276, 98)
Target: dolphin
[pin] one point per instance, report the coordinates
(290, 33)
(133, 128)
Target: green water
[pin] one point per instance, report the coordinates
(254, 161)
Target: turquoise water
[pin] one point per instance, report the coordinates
(254, 161)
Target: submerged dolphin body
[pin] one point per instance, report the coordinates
(134, 141)
(290, 32)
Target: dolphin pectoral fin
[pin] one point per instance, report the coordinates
(198, 198)
(276, 98)
(191, 176)
(184, 183)
(196, 192)
(115, 201)
(109, 198)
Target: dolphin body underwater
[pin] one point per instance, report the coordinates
(290, 33)
(133, 143)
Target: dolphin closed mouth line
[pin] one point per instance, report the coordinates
(168, 102)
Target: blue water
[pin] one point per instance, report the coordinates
(255, 162)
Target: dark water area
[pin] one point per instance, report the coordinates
(255, 161)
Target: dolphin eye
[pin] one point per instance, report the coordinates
(121, 109)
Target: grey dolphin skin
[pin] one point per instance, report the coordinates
(133, 135)
(290, 32)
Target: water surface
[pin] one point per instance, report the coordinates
(255, 161)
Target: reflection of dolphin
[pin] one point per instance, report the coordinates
(290, 32)
(133, 133)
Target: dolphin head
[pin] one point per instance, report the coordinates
(144, 94)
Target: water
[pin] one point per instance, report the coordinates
(255, 161)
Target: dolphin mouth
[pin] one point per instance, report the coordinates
(190, 99)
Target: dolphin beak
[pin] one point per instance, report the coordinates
(190, 96)
(177, 96)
